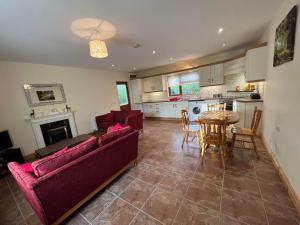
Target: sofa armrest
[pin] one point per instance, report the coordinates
(27, 179)
(27, 182)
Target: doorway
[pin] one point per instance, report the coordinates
(123, 95)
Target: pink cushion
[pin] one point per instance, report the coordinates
(53, 162)
(26, 167)
(114, 128)
(109, 137)
(62, 151)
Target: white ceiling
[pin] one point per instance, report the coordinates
(39, 31)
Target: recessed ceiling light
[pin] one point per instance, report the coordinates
(112, 65)
(134, 68)
(224, 45)
(153, 52)
(220, 30)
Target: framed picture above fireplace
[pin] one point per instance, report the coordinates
(44, 94)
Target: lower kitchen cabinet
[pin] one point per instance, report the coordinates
(246, 110)
(164, 109)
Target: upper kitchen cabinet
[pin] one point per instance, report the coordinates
(235, 66)
(217, 74)
(205, 76)
(211, 75)
(137, 90)
(153, 84)
(256, 64)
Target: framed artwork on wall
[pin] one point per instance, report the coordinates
(285, 38)
(44, 94)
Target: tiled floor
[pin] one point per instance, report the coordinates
(170, 186)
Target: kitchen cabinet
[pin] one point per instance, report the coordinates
(164, 109)
(246, 110)
(205, 76)
(256, 64)
(211, 75)
(235, 66)
(137, 90)
(217, 74)
(153, 84)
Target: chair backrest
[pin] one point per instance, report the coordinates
(185, 119)
(216, 107)
(255, 119)
(213, 131)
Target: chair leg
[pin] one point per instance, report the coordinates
(203, 146)
(255, 148)
(184, 137)
(187, 137)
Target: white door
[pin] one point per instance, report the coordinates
(217, 74)
(205, 76)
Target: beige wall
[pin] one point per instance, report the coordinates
(281, 102)
(88, 92)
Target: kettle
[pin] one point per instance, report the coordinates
(255, 96)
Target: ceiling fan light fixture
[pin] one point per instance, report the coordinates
(98, 49)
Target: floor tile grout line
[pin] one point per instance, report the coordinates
(13, 195)
(221, 200)
(174, 219)
(85, 218)
(261, 196)
(106, 207)
(139, 209)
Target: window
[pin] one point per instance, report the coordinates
(183, 84)
(122, 93)
(190, 89)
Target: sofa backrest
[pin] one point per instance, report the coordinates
(120, 116)
(114, 135)
(52, 162)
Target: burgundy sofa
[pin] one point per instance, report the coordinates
(55, 195)
(133, 118)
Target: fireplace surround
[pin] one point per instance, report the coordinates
(53, 128)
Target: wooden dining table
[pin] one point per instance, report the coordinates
(232, 117)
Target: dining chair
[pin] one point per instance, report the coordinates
(216, 107)
(248, 133)
(189, 130)
(213, 132)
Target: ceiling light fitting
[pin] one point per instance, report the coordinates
(95, 30)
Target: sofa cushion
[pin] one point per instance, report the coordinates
(26, 167)
(115, 128)
(119, 116)
(109, 137)
(53, 162)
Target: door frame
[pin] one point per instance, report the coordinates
(126, 107)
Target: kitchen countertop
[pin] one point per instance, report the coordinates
(238, 99)
(248, 100)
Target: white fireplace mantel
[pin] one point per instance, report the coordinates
(37, 122)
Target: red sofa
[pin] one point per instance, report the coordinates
(133, 118)
(55, 195)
